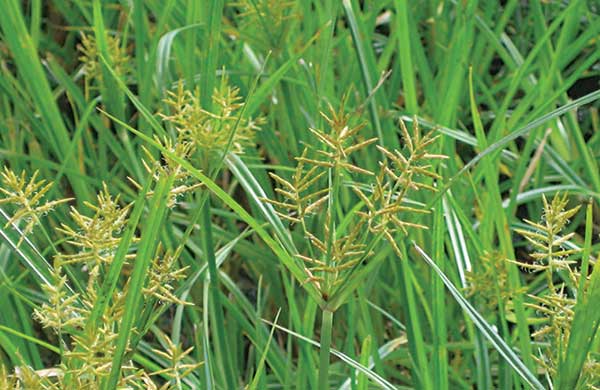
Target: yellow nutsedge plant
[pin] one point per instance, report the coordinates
(205, 134)
(556, 306)
(316, 182)
(316, 185)
(335, 246)
(86, 352)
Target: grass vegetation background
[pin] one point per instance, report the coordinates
(299, 194)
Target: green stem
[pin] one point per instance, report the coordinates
(326, 324)
(331, 209)
(221, 343)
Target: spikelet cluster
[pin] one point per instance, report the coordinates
(274, 18)
(178, 367)
(338, 144)
(310, 198)
(550, 253)
(25, 196)
(90, 56)
(96, 237)
(7, 381)
(210, 132)
(163, 275)
(61, 311)
(87, 351)
(91, 356)
(25, 377)
(591, 370)
(168, 166)
(555, 305)
(400, 175)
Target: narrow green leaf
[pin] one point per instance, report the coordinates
(377, 379)
(263, 357)
(144, 255)
(585, 321)
(500, 345)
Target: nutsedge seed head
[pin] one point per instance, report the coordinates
(25, 195)
(90, 56)
(274, 17)
(330, 256)
(210, 133)
(96, 237)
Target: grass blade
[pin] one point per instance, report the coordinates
(263, 357)
(585, 322)
(500, 345)
(147, 246)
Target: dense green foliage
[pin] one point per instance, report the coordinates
(299, 194)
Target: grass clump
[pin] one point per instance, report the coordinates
(299, 195)
(87, 347)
